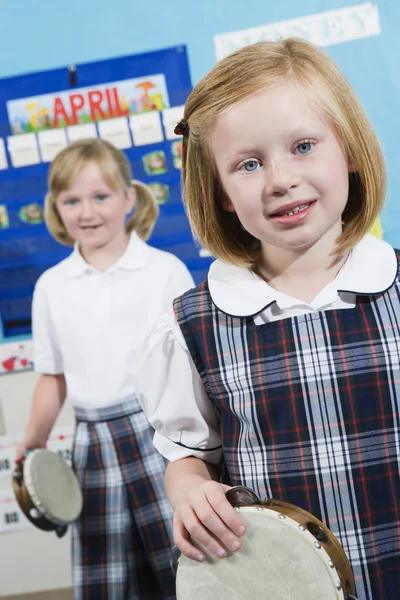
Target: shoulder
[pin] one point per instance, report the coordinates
(169, 271)
(160, 259)
(192, 302)
(53, 276)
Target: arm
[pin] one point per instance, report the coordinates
(187, 434)
(50, 391)
(48, 400)
(187, 473)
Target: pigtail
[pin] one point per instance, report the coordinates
(146, 211)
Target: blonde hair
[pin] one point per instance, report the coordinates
(117, 173)
(247, 72)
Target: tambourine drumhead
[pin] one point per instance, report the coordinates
(279, 560)
(52, 487)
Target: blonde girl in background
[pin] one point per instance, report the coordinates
(91, 316)
(285, 362)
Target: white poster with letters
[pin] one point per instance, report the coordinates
(323, 29)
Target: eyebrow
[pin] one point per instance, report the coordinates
(298, 133)
(237, 154)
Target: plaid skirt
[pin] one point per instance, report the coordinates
(122, 541)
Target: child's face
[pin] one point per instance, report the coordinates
(92, 213)
(282, 168)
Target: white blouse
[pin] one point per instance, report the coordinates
(91, 325)
(170, 389)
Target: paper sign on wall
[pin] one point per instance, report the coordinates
(61, 441)
(171, 116)
(23, 149)
(3, 157)
(7, 456)
(323, 29)
(88, 105)
(16, 356)
(11, 516)
(146, 128)
(51, 143)
(81, 132)
(116, 131)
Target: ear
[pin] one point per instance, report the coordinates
(351, 166)
(130, 200)
(227, 204)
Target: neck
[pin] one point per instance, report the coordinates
(300, 273)
(105, 257)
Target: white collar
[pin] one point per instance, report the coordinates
(134, 257)
(371, 268)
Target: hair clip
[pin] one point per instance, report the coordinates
(182, 128)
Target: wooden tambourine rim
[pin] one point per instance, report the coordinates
(314, 526)
(330, 544)
(26, 499)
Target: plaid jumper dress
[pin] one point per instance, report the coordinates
(309, 411)
(122, 541)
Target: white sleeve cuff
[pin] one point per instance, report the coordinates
(47, 368)
(173, 451)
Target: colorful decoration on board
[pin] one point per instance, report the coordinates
(4, 221)
(177, 154)
(160, 191)
(155, 163)
(88, 105)
(31, 214)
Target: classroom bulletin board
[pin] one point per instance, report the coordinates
(135, 103)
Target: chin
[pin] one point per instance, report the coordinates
(294, 245)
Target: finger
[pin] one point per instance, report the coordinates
(213, 533)
(202, 531)
(230, 517)
(181, 539)
(19, 455)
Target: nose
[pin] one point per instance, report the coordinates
(280, 178)
(87, 211)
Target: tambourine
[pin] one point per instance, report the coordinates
(47, 491)
(286, 554)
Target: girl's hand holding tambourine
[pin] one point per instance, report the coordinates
(26, 445)
(204, 514)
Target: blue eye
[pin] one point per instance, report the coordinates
(101, 197)
(304, 148)
(72, 201)
(250, 166)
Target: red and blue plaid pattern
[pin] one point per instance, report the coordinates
(123, 539)
(310, 413)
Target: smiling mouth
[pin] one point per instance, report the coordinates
(90, 226)
(293, 211)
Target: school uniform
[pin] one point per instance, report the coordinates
(302, 400)
(91, 327)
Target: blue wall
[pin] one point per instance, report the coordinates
(52, 33)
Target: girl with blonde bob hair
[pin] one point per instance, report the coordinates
(320, 80)
(91, 315)
(283, 366)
